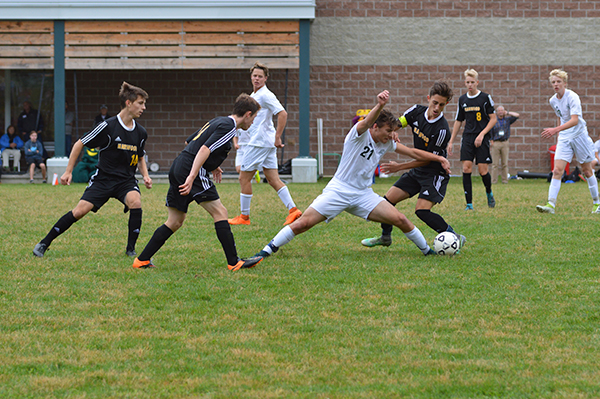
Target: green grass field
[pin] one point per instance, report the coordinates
(515, 315)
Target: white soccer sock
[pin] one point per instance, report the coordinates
(245, 200)
(286, 197)
(416, 236)
(553, 191)
(593, 185)
(284, 236)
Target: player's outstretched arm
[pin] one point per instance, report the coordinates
(551, 131)
(66, 178)
(421, 155)
(382, 99)
(143, 168)
(199, 160)
(393, 167)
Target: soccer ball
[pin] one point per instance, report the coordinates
(446, 243)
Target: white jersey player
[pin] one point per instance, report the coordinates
(261, 150)
(350, 189)
(573, 140)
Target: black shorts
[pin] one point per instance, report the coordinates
(37, 160)
(430, 185)
(468, 151)
(203, 189)
(101, 188)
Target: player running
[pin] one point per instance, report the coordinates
(431, 133)
(189, 181)
(350, 189)
(121, 143)
(477, 109)
(573, 139)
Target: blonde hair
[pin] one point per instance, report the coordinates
(471, 72)
(559, 73)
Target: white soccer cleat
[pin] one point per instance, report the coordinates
(596, 208)
(548, 208)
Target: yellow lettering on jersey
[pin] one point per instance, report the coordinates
(134, 160)
(471, 109)
(201, 131)
(127, 147)
(420, 135)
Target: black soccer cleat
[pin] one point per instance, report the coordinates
(246, 263)
(39, 249)
(131, 253)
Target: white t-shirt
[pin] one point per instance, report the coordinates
(568, 105)
(597, 145)
(262, 131)
(243, 137)
(360, 157)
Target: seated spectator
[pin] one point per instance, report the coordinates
(33, 156)
(11, 144)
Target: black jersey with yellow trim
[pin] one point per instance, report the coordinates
(217, 136)
(119, 148)
(428, 135)
(475, 111)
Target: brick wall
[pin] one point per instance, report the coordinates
(458, 8)
(363, 46)
(338, 91)
(180, 102)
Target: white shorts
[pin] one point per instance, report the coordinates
(334, 201)
(259, 157)
(239, 155)
(581, 146)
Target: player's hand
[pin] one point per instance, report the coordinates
(449, 148)
(478, 141)
(549, 132)
(66, 178)
(148, 182)
(383, 97)
(445, 164)
(237, 146)
(279, 143)
(217, 175)
(390, 167)
(186, 187)
(395, 136)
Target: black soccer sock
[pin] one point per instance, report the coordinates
(386, 229)
(135, 223)
(487, 182)
(160, 236)
(468, 186)
(60, 227)
(433, 220)
(225, 236)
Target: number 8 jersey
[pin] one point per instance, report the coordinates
(475, 110)
(360, 157)
(119, 148)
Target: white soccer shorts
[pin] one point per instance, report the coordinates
(359, 203)
(581, 147)
(259, 157)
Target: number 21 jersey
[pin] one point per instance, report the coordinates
(360, 157)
